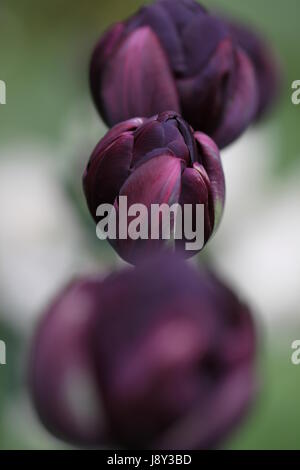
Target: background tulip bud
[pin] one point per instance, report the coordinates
(174, 55)
(170, 349)
(155, 161)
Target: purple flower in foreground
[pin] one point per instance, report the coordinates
(175, 55)
(158, 357)
(156, 161)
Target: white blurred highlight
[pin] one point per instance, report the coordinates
(257, 245)
(41, 240)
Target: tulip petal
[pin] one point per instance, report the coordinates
(146, 138)
(107, 172)
(158, 18)
(203, 96)
(152, 377)
(195, 190)
(206, 424)
(156, 181)
(159, 358)
(137, 81)
(265, 63)
(113, 134)
(207, 32)
(183, 11)
(62, 380)
(240, 110)
(184, 129)
(212, 163)
(157, 135)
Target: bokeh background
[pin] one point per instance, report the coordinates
(49, 127)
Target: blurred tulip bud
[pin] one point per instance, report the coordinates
(174, 55)
(266, 66)
(153, 162)
(171, 352)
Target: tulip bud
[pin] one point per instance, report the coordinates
(153, 162)
(171, 352)
(174, 55)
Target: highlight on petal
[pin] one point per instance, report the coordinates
(137, 81)
(157, 181)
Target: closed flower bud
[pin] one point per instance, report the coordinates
(174, 55)
(153, 162)
(167, 352)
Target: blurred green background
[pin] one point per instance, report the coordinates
(49, 127)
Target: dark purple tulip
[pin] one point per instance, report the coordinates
(266, 66)
(174, 55)
(154, 161)
(171, 352)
